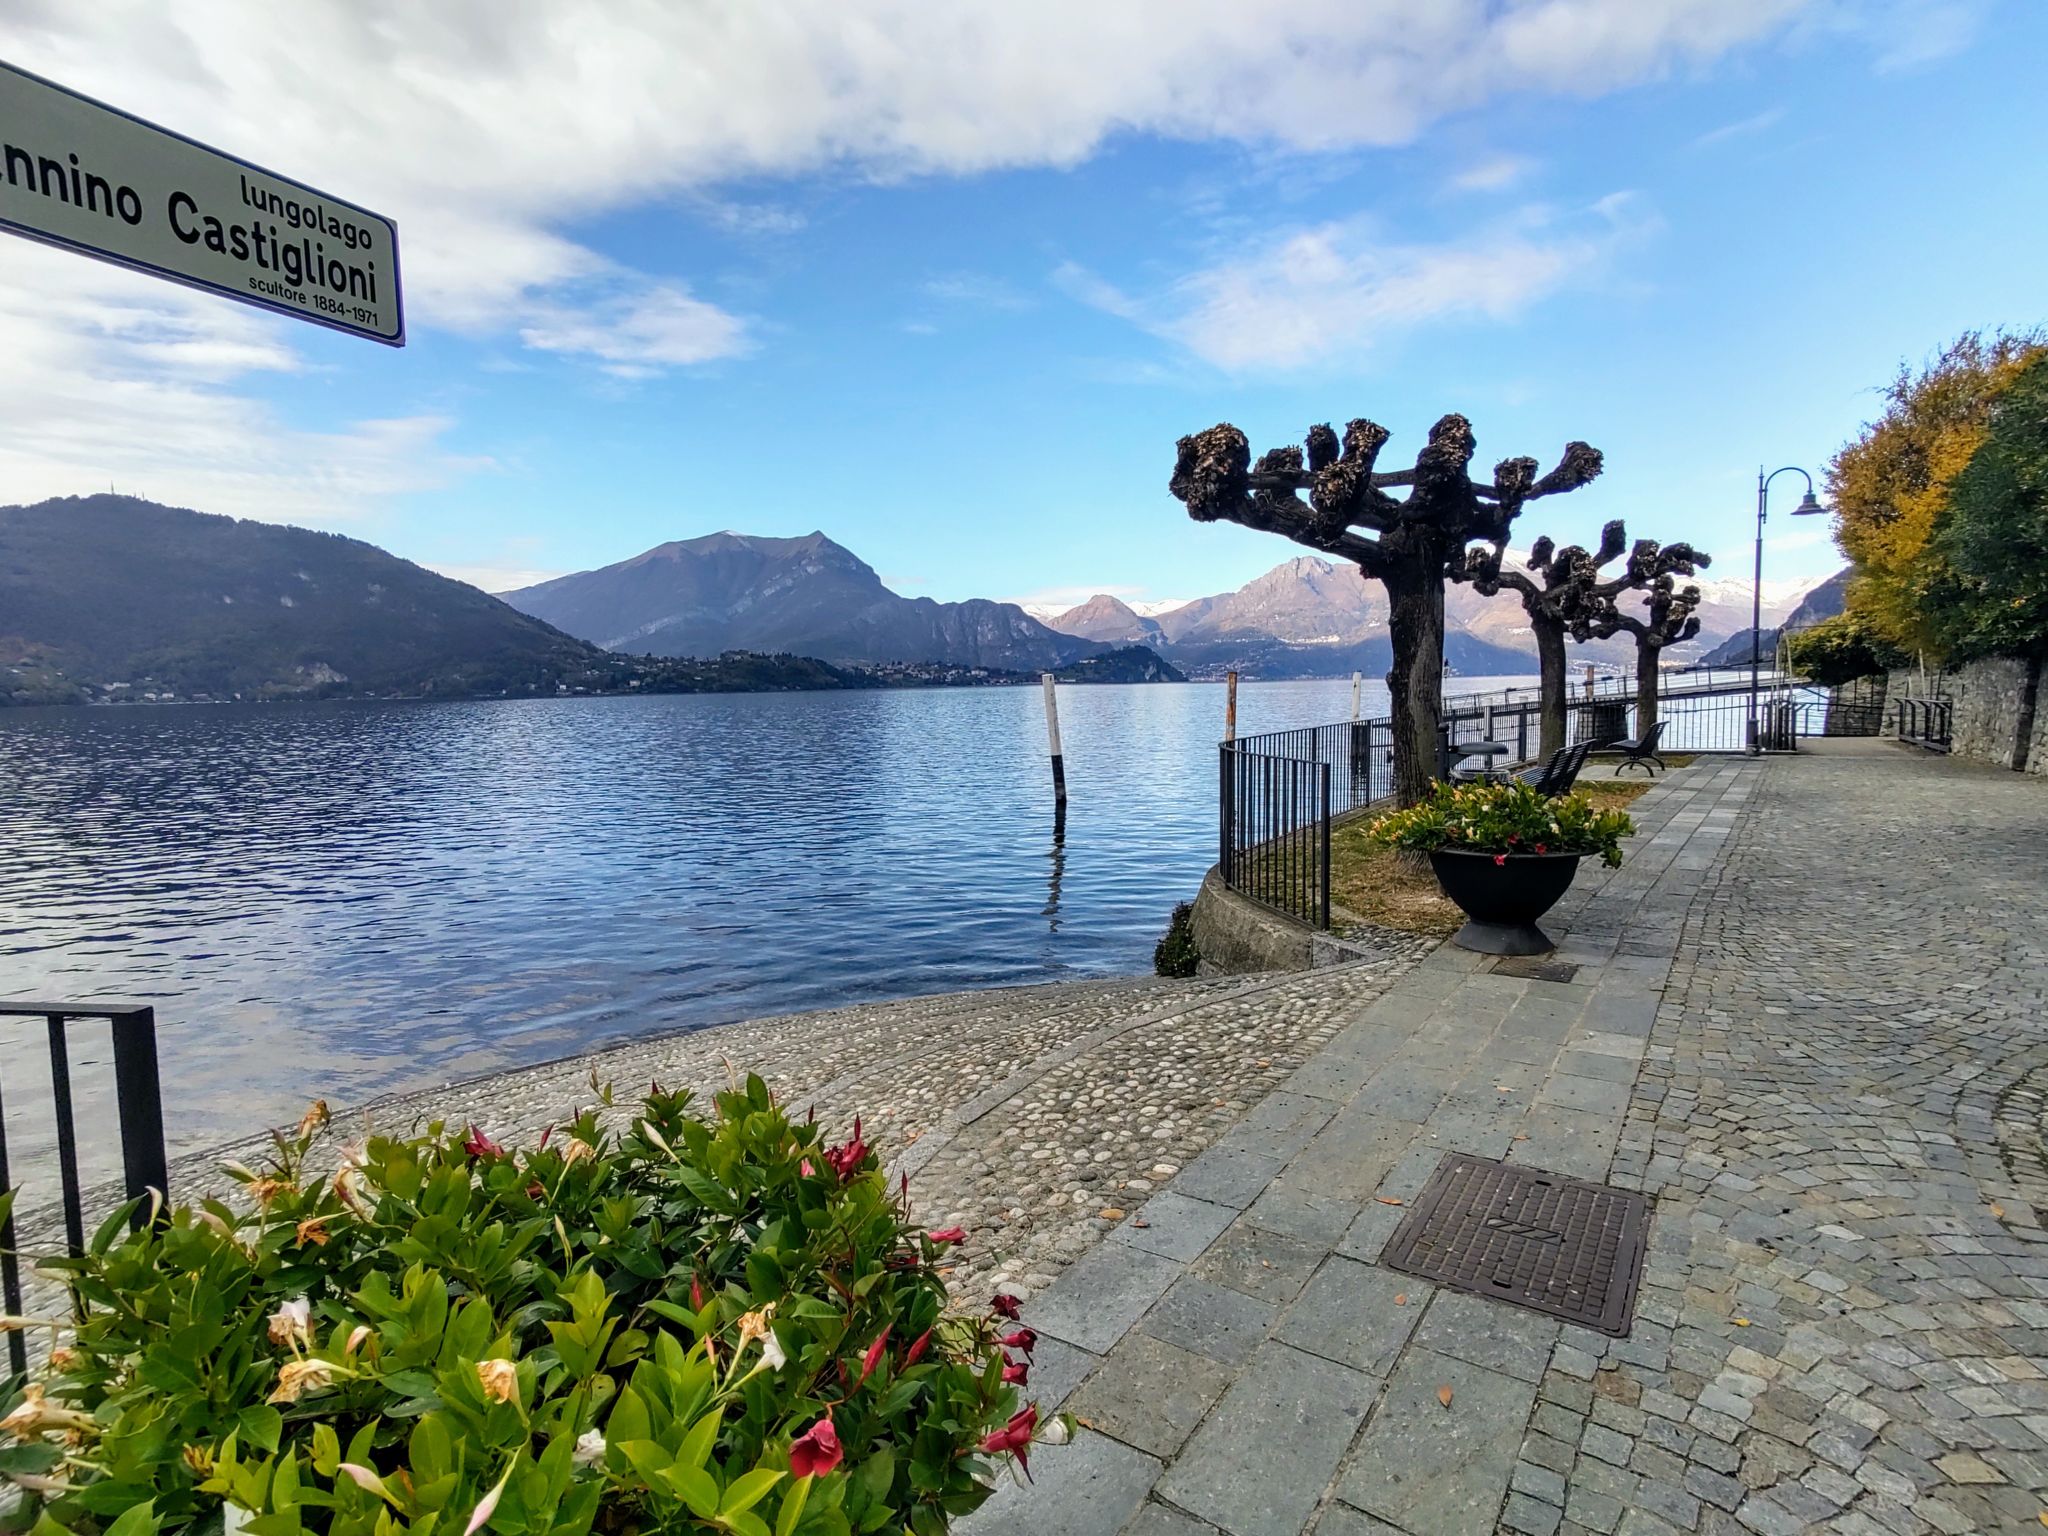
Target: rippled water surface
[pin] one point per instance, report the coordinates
(349, 899)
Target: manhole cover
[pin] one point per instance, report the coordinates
(1558, 1245)
(1535, 968)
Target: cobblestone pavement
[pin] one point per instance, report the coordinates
(1022, 1113)
(1805, 1018)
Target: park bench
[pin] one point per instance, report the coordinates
(1557, 776)
(1642, 752)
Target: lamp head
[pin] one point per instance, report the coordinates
(1808, 506)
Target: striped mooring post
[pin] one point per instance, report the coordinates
(1052, 736)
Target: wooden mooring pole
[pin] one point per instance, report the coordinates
(1230, 706)
(1052, 736)
(1356, 679)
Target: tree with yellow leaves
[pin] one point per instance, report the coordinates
(1891, 486)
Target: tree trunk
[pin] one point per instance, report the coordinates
(2030, 693)
(1415, 624)
(1646, 687)
(1551, 689)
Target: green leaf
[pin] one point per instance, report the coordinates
(108, 1230)
(647, 1458)
(702, 1437)
(628, 1419)
(878, 1473)
(793, 1506)
(699, 1489)
(748, 1491)
(261, 1425)
(140, 1520)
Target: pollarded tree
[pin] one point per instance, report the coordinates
(1410, 544)
(1667, 617)
(1575, 599)
(1560, 595)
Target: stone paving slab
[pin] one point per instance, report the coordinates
(1806, 1020)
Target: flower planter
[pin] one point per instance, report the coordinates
(1503, 900)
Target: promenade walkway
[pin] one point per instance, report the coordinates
(1806, 1018)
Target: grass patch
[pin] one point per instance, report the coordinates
(1399, 891)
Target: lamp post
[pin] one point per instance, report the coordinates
(1807, 507)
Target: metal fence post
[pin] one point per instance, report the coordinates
(138, 1090)
(1323, 896)
(1226, 816)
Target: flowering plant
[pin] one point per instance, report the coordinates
(722, 1326)
(1504, 819)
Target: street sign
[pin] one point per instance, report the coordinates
(79, 174)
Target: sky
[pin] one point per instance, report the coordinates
(948, 282)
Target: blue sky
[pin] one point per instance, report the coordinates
(961, 334)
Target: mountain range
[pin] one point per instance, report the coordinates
(1822, 602)
(112, 594)
(113, 599)
(1306, 617)
(1310, 618)
(100, 595)
(808, 596)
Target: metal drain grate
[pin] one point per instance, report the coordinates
(1540, 1240)
(1534, 968)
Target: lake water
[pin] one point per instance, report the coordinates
(344, 900)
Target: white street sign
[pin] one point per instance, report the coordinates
(89, 177)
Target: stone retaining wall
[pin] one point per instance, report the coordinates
(1990, 704)
(1236, 936)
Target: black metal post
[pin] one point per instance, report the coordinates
(10, 1268)
(1756, 605)
(1323, 911)
(1224, 818)
(138, 1090)
(67, 1138)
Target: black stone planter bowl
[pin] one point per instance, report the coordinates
(1503, 901)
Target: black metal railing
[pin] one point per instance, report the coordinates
(1275, 842)
(1279, 789)
(1358, 753)
(138, 1098)
(1927, 723)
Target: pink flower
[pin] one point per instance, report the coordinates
(1540, 848)
(1004, 1305)
(816, 1451)
(874, 1356)
(1024, 1339)
(805, 1168)
(948, 1235)
(477, 1144)
(1500, 858)
(1014, 1437)
(846, 1160)
(696, 1293)
(917, 1348)
(1016, 1372)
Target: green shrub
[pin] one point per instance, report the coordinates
(1842, 649)
(723, 1326)
(1504, 819)
(1175, 954)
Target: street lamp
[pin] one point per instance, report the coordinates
(1807, 507)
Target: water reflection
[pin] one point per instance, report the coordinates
(353, 899)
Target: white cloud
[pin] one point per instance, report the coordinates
(1336, 288)
(1910, 34)
(114, 378)
(976, 290)
(1494, 174)
(637, 333)
(488, 130)
(1742, 128)
(497, 134)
